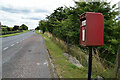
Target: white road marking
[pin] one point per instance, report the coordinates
(17, 42)
(45, 63)
(5, 48)
(38, 64)
(21, 75)
(12, 44)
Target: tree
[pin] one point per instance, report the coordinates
(24, 27)
(4, 29)
(37, 28)
(42, 25)
(65, 22)
(8, 29)
(15, 28)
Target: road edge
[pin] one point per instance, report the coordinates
(51, 67)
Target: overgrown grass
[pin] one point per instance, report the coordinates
(63, 67)
(13, 34)
(99, 68)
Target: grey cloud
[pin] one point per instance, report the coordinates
(35, 18)
(32, 18)
(13, 10)
(41, 10)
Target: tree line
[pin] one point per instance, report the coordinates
(15, 28)
(7, 30)
(64, 23)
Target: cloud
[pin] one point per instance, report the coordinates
(13, 10)
(32, 18)
(29, 12)
(35, 18)
(41, 11)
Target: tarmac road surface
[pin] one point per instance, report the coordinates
(25, 56)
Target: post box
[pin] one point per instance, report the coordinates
(91, 29)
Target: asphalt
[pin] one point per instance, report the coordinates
(25, 56)
(8, 41)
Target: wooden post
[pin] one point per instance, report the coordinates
(117, 63)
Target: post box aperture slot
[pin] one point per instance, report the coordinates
(83, 34)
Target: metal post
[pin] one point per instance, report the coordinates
(90, 63)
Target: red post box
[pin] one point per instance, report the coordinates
(91, 29)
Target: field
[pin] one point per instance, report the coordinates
(13, 34)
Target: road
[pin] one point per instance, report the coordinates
(25, 56)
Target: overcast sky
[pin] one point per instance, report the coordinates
(29, 12)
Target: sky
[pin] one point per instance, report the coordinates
(30, 12)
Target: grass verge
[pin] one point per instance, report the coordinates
(63, 67)
(13, 34)
(98, 65)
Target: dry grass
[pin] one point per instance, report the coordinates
(98, 65)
